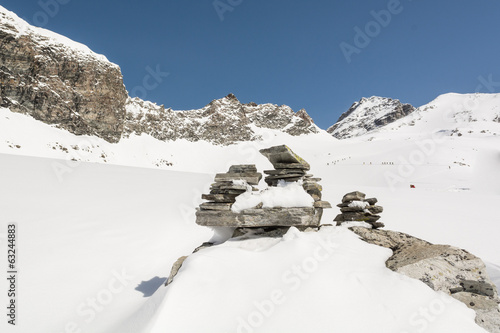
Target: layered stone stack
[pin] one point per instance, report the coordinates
(290, 167)
(355, 207)
(228, 186)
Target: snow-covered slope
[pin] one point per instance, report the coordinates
(96, 244)
(468, 115)
(369, 114)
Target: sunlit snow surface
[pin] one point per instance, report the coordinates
(96, 239)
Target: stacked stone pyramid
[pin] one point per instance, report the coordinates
(354, 207)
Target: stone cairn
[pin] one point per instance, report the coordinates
(224, 191)
(289, 167)
(355, 207)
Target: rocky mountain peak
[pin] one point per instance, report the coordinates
(59, 81)
(368, 114)
(62, 82)
(223, 121)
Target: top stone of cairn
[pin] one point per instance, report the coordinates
(283, 157)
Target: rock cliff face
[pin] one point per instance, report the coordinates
(58, 81)
(223, 121)
(61, 82)
(368, 114)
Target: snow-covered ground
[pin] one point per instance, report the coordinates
(96, 239)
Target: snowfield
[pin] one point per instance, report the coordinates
(100, 225)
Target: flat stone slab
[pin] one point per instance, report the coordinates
(264, 217)
(282, 156)
(284, 176)
(219, 197)
(243, 168)
(300, 166)
(218, 206)
(285, 172)
(251, 178)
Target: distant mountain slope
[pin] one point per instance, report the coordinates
(469, 115)
(223, 121)
(369, 114)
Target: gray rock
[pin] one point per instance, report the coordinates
(322, 204)
(375, 209)
(218, 206)
(351, 209)
(282, 157)
(356, 216)
(178, 264)
(476, 287)
(487, 311)
(298, 172)
(175, 269)
(243, 168)
(76, 90)
(250, 177)
(291, 166)
(284, 177)
(353, 196)
(219, 197)
(265, 217)
(442, 268)
(364, 116)
(371, 201)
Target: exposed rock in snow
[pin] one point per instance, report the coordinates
(443, 268)
(367, 115)
(223, 121)
(59, 81)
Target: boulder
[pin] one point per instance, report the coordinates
(282, 157)
(353, 196)
(443, 268)
(264, 217)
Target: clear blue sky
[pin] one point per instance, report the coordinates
(288, 51)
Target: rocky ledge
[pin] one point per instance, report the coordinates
(58, 81)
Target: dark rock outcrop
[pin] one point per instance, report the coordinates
(58, 81)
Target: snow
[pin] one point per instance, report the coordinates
(328, 281)
(290, 194)
(84, 220)
(359, 204)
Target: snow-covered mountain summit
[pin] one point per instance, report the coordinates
(369, 114)
(468, 115)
